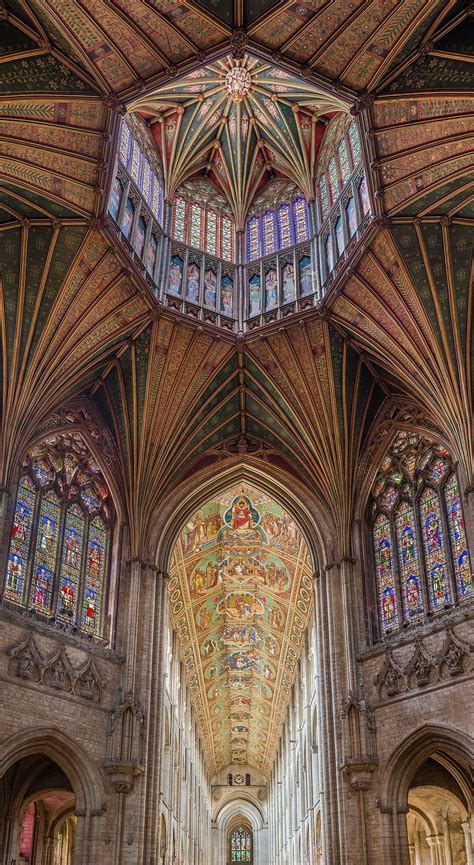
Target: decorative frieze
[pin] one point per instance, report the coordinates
(423, 668)
(55, 671)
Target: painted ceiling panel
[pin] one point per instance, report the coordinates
(240, 595)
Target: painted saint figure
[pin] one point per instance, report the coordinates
(47, 534)
(20, 523)
(241, 516)
(41, 585)
(67, 597)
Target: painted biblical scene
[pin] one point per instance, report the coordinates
(240, 593)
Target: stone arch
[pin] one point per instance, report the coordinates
(298, 501)
(451, 747)
(230, 814)
(85, 779)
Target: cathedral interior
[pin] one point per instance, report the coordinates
(236, 432)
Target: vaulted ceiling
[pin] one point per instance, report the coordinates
(76, 318)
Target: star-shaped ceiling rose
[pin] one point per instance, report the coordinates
(239, 123)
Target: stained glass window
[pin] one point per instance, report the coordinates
(385, 572)
(44, 565)
(333, 180)
(125, 142)
(415, 500)
(323, 195)
(284, 226)
(241, 845)
(354, 139)
(95, 576)
(409, 561)
(20, 541)
(179, 219)
(253, 238)
(301, 220)
(227, 239)
(59, 539)
(196, 226)
(147, 181)
(211, 233)
(135, 164)
(434, 548)
(351, 214)
(157, 199)
(269, 232)
(460, 553)
(344, 160)
(71, 562)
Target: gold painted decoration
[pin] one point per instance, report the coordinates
(240, 596)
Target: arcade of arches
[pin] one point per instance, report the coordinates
(236, 432)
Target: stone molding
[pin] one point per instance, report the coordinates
(55, 671)
(423, 667)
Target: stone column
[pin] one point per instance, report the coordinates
(466, 827)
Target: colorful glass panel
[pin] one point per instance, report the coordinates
(227, 239)
(351, 214)
(339, 232)
(20, 542)
(211, 233)
(354, 139)
(196, 226)
(408, 560)
(333, 179)
(150, 255)
(438, 470)
(147, 178)
(157, 199)
(127, 219)
(382, 539)
(179, 219)
(139, 239)
(71, 562)
(115, 198)
(269, 232)
(435, 550)
(135, 163)
(344, 160)
(44, 565)
(461, 563)
(389, 498)
(95, 576)
(125, 139)
(253, 238)
(364, 196)
(301, 220)
(323, 195)
(241, 845)
(284, 226)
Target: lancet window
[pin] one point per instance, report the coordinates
(60, 536)
(136, 197)
(341, 191)
(241, 845)
(203, 227)
(277, 229)
(421, 557)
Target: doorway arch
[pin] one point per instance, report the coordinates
(239, 812)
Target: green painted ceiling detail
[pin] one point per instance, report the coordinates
(13, 40)
(433, 73)
(222, 9)
(42, 74)
(434, 200)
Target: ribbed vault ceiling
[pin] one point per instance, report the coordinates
(77, 321)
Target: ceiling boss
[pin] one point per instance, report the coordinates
(238, 82)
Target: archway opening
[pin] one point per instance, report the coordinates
(40, 800)
(437, 820)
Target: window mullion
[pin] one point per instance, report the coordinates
(82, 572)
(59, 558)
(447, 534)
(416, 496)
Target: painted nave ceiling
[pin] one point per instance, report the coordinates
(237, 233)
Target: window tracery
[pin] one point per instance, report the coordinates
(60, 537)
(277, 228)
(342, 194)
(241, 845)
(203, 227)
(419, 542)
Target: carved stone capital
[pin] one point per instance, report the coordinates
(359, 771)
(122, 775)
